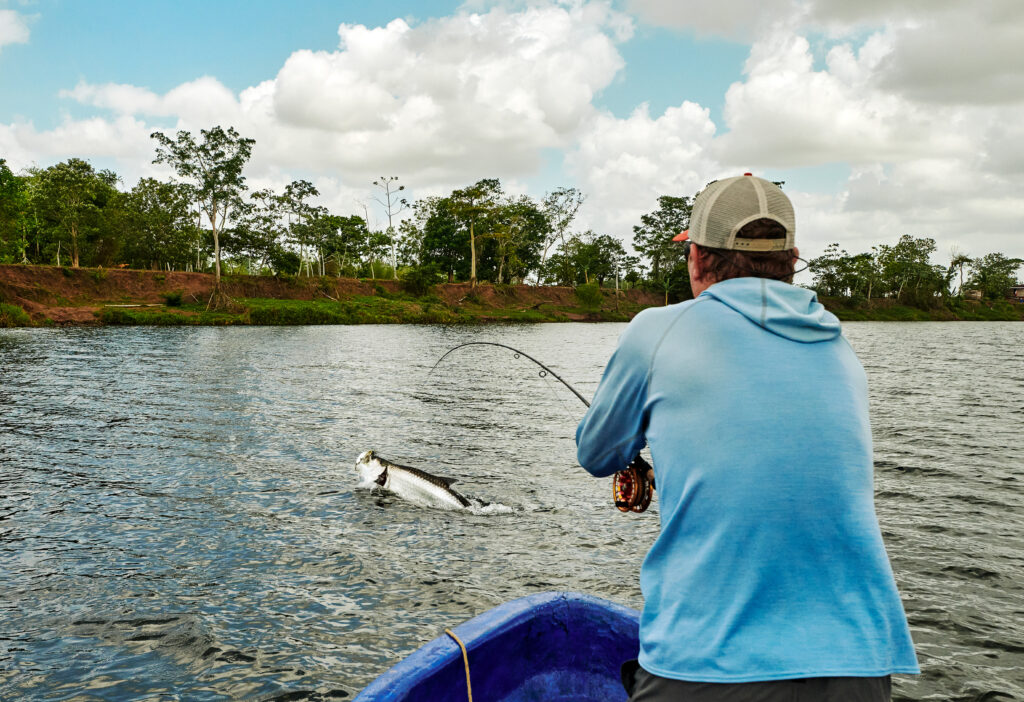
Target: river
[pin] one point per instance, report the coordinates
(179, 517)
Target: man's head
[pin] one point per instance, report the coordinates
(742, 226)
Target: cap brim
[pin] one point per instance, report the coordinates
(682, 236)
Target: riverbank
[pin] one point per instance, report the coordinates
(953, 310)
(56, 296)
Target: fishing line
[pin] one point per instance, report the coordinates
(631, 488)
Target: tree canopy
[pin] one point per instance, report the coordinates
(205, 218)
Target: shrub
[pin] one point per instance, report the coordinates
(14, 316)
(590, 296)
(172, 299)
(98, 275)
(419, 281)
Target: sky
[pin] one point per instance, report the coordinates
(883, 117)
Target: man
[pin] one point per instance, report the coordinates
(769, 580)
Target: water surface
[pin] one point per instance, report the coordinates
(179, 516)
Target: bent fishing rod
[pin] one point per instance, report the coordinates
(631, 488)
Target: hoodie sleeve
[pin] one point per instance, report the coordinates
(612, 431)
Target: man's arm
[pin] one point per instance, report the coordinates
(612, 431)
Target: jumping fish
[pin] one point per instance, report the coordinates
(409, 483)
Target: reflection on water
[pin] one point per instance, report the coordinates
(179, 516)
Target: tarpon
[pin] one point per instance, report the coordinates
(411, 484)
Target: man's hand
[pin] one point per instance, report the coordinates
(645, 468)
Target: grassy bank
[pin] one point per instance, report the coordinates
(48, 295)
(954, 310)
(357, 310)
(38, 295)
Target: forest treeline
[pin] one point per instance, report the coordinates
(207, 219)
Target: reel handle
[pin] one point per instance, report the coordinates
(631, 489)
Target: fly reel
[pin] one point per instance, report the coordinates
(631, 490)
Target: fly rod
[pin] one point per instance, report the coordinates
(631, 488)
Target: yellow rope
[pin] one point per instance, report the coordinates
(465, 660)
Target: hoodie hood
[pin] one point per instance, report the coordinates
(781, 308)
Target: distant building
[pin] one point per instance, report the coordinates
(1017, 293)
(972, 294)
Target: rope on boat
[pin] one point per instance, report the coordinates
(465, 660)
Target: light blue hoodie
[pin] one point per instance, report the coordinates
(770, 563)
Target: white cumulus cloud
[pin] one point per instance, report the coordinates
(920, 99)
(444, 102)
(623, 165)
(13, 28)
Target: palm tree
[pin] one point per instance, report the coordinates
(959, 261)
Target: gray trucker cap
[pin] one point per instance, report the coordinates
(725, 206)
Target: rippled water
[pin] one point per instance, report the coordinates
(179, 516)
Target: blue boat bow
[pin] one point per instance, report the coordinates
(553, 646)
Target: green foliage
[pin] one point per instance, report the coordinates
(173, 298)
(994, 274)
(98, 275)
(902, 271)
(71, 206)
(13, 316)
(653, 237)
(157, 225)
(590, 296)
(213, 166)
(156, 317)
(14, 215)
(419, 281)
(285, 261)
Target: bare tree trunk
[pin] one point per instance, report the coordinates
(472, 257)
(74, 246)
(58, 254)
(216, 264)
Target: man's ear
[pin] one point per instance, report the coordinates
(697, 260)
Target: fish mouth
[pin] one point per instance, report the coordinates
(365, 457)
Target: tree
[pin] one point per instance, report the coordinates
(560, 207)
(905, 267)
(393, 205)
(213, 166)
(410, 244)
(159, 229)
(14, 216)
(347, 243)
(653, 237)
(519, 230)
(957, 264)
(994, 274)
(261, 229)
(294, 203)
(67, 195)
(472, 206)
(444, 240)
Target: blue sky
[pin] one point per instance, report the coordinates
(159, 45)
(834, 101)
